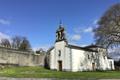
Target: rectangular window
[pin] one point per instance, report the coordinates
(59, 53)
(88, 57)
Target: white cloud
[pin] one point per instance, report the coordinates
(89, 29)
(76, 37)
(4, 22)
(95, 21)
(78, 30)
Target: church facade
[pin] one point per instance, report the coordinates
(66, 57)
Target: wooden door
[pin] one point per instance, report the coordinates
(60, 65)
(93, 66)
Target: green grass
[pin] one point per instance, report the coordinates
(40, 72)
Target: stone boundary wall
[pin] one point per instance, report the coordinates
(16, 57)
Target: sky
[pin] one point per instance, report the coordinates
(38, 20)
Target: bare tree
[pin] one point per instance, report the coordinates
(25, 45)
(5, 43)
(107, 33)
(16, 41)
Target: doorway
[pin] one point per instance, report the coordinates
(60, 65)
(93, 66)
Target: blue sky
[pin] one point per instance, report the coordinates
(39, 19)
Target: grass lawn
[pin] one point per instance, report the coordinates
(40, 72)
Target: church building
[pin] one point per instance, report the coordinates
(66, 57)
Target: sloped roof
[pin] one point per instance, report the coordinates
(109, 57)
(82, 48)
(93, 46)
(87, 48)
(50, 49)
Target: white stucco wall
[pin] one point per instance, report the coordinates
(64, 57)
(52, 59)
(111, 64)
(60, 46)
(81, 62)
(102, 60)
(77, 59)
(68, 59)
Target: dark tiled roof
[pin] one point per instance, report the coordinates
(82, 48)
(93, 46)
(76, 47)
(109, 57)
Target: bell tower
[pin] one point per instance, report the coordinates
(60, 48)
(60, 33)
